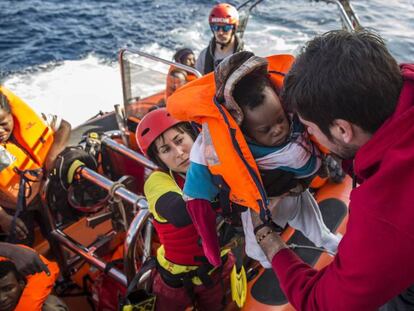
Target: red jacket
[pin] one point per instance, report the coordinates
(375, 259)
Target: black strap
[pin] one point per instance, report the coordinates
(265, 213)
(112, 264)
(21, 197)
(209, 59)
(181, 279)
(209, 64)
(149, 264)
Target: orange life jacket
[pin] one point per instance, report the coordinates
(173, 83)
(31, 143)
(235, 163)
(38, 287)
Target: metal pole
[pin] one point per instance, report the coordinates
(132, 242)
(107, 184)
(131, 154)
(161, 60)
(88, 255)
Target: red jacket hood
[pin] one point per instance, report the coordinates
(395, 134)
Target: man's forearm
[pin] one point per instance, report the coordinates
(61, 138)
(6, 249)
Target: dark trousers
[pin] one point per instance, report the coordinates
(402, 302)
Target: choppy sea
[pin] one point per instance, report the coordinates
(61, 56)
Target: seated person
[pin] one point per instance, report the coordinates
(278, 146)
(21, 293)
(178, 77)
(29, 147)
(183, 277)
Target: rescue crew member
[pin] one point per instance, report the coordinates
(29, 147)
(223, 20)
(178, 77)
(183, 276)
(350, 93)
(21, 293)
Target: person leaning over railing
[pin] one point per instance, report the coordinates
(353, 97)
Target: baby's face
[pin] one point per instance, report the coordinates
(267, 124)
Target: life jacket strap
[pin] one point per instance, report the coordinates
(26, 176)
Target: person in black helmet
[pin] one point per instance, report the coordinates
(223, 20)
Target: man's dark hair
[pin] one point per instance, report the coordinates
(344, 75)
(6, 266)
(4, 103)
(248, 92)
(152, 152)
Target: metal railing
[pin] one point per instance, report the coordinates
(347, 13)
(60, 240)
(131, 154)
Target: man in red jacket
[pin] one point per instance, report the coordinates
(351, 94)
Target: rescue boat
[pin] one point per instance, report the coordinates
(104, 248)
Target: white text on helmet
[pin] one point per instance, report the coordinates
(220, 20)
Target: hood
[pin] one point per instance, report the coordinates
(230, 71)
(194, 100)
(396, 134)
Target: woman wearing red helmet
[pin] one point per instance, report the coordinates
(223, 20)
(183, 275)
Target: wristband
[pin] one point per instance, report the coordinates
(263, 236)
(270, 225)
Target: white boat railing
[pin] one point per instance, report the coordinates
(347, 14)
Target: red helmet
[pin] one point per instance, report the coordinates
(224, 13)
(153, 125)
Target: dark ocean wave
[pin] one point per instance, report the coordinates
(35, 32)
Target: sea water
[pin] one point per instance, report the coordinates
(61, 56)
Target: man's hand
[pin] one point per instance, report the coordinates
(6, 221)
(26, 260)
(270, 242)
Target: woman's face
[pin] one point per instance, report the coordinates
(173, 148)
(6, 125)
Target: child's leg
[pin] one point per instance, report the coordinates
(307, 218)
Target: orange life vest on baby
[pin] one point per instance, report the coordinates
(173, 83)
(38, 287)
(230, 156)
(29, 145)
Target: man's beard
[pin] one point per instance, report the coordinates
(344, 151)
(225, 44)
